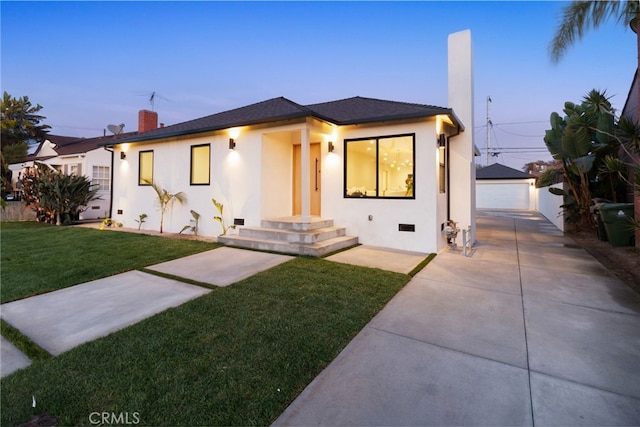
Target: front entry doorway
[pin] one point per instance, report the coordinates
(315, 182)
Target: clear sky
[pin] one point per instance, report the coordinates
(90, 64)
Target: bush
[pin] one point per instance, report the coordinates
(54, 196)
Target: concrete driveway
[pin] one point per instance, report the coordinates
(528, 330)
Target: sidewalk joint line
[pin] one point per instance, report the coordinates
(448, 348)
(524, 321)
(617, 393)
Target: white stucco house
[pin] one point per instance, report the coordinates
(501, 187)
(79, 156)
(311, 179)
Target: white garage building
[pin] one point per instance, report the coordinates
(501, 187)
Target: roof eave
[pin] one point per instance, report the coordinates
(142, 137)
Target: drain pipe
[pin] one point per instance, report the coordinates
(110, 183)
(447, 149)
(466, 241)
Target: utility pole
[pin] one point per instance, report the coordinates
(489, 124)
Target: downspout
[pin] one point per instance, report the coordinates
(111, 184)
(449, 172)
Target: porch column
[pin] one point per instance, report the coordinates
(305, 179)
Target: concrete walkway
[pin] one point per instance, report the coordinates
(529, 330)
(61, 320)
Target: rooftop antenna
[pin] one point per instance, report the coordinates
(153, 98)
(116, 129)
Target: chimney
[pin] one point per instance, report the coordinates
(147, 120)
(461, 151)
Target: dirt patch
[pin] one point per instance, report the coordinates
(623, 262)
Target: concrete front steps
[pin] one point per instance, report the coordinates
(292, 236)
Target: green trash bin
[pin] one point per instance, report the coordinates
(618, 221)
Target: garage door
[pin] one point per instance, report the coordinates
(502, 195)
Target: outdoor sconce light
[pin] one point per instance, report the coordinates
(232, 144)
(442, 140)
(331, 147)
(123, 155)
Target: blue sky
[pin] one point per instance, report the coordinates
(90, 64)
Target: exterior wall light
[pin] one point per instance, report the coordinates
(123, 155)
(331, 147)
(442, 140)
(232, 144)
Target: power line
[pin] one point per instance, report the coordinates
(518, 134)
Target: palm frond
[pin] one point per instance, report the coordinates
(583, 15)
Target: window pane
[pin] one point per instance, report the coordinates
(101, 177)
(145, 170)
(396, 166)
(361, 168)
(200, 160)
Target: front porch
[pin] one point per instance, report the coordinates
(291, 235)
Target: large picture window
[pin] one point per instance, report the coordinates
(382, 167)
(145, 168)
(200, 164)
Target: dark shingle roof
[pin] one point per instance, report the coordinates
(498, 171)
(60, 140)
(261, 112)
(365, 110)
(83, 145)
(343, 112)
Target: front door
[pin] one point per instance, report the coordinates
(314, 178)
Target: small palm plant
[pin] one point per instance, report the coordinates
(220, 218)
(193, 228)
(166, 199)
(141, 220)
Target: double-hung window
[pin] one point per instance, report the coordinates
(102, 178)
(381, 167)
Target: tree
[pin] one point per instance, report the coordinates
(582, 15)
(581, 141)
(20, 122)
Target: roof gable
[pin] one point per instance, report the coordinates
(365, 110)
(498, 171)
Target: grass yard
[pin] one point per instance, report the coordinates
(38, 258)
(237, 356)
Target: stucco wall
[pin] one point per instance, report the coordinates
(254, 182)
(549, 205)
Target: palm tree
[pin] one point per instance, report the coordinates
(165, 200)
(582, 15)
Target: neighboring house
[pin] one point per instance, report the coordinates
(501, 187)
(630, 111)
(77, 156)
(386, 173)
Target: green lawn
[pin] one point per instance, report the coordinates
(38, 258)
(237, 356)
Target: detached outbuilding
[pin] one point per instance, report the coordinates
(501, 187)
